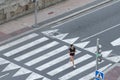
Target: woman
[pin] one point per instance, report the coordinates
(72, 51)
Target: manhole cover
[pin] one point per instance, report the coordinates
(50, 12)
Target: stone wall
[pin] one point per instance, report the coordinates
(11, 9)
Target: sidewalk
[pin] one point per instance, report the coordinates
(113, 73)
(24, 23)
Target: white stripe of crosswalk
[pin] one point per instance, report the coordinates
(3, 61)
(116, 42)
(36, 51)
(55, 61)
(34, 76)
(43, 57)
(91, 75)
(66, 66)
(79, 70)
(13, 43)
(19, 49)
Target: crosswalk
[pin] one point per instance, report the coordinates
(51, 58)
(78, 70)
(21, 71)
(36, 51)
(47, 55)
(66, 66)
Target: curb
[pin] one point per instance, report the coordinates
(76, 13)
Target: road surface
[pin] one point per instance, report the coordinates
(43, 53)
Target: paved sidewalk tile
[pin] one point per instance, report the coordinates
(113, 74)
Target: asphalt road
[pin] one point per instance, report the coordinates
(43, 54)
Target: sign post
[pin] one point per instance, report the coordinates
(98, 75)
(35, 2)
(97, 53)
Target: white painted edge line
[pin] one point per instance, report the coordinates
(79, 12)
(101, 32)
(86, 13)
(116, 42)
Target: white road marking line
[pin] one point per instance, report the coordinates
(101, 32)
(36, 51)
(82, 44)
(13, 43)
(22, 71)
(71, 41)
(26, 46)
(114, 58)
(45, 78)
(94, 48)
(91, 75)
(106, 53)
(43, 57)
(61, 36)
(66, 66)
(79, 70)
(116, 42)
(3, 61)
(91, 49)
(53, 62)
(11, 66)
(34, 76)
(83, 14)
(48, 32)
